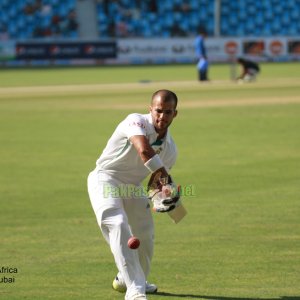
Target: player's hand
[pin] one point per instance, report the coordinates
(166, 198)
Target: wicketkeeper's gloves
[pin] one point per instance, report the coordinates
(166, 198)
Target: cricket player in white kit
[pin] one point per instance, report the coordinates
(140, 145)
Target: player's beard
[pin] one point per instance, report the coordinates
(162, 126)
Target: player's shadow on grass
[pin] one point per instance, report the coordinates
(192, 296)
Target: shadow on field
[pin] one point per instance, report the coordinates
(191, 296)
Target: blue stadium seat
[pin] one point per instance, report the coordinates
(194, 4)
(152, 17)
(240, 31)
(267, 31)
(193, 19)
(233, 20)
(168, 19)
(295, 15)
(251, 10)
(259, 19)
(276, 25)
(210, 26)
(293, 30)
(166, 5)
(285, 19)
(12, 29)
(5, 4)
(178, 17)
(242, 15)
(156, 29)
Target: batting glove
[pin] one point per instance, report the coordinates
(166, 199)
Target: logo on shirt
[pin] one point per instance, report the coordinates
(157, 151)
(138, 124)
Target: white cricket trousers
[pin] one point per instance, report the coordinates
(120, 216)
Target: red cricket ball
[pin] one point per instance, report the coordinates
(133, 242)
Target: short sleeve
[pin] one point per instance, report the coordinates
(134, 124)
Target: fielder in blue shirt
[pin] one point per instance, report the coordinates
(200, 51)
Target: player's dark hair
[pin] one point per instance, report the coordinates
(202, 30)
(166, 96)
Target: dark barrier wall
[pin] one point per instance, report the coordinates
(71, 50)
(144, 51)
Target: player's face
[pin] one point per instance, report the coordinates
(162, 114)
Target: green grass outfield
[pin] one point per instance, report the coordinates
(239, 148)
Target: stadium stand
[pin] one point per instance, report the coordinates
(42, 19)
(260, 18)
(130, 18)
(21, 19)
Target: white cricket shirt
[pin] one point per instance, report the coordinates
(120, 159)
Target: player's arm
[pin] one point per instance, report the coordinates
(150, 159)
(160, 179)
